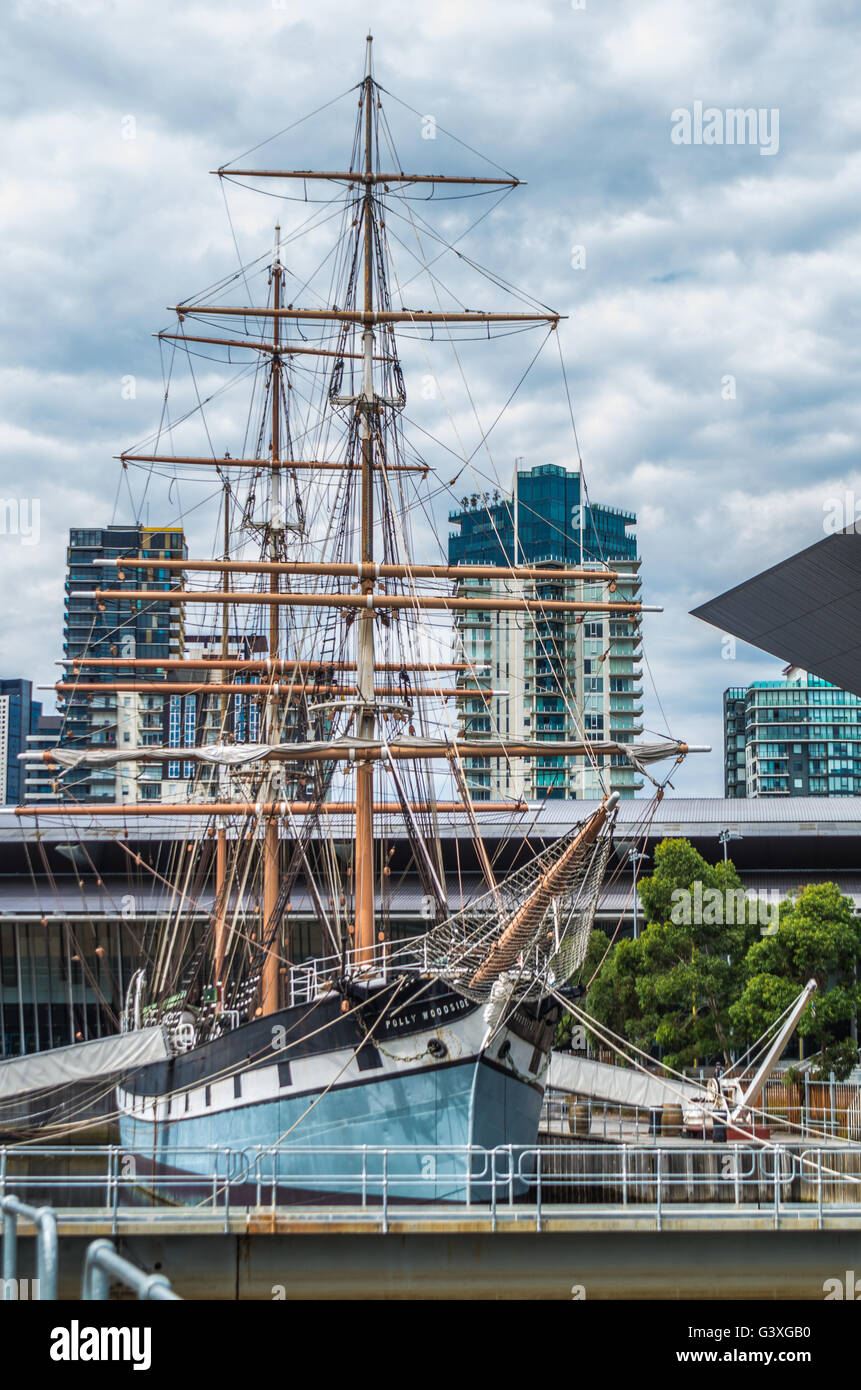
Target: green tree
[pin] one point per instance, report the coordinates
(675, 985)
(596, 952)
(818, 937)
(613, 999)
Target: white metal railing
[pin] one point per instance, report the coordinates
(44, 1219)
(509, 1183)
(102, 1263)
(309, 979)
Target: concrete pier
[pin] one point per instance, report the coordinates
(596, 1253)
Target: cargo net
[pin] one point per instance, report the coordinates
(533, 928)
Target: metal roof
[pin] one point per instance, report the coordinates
(803, 610)
(674, 815)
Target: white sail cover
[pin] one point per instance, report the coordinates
(239, 754)
(583, 1076)
(85, 1061)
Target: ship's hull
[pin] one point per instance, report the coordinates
(288, 1102)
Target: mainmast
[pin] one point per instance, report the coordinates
(221, 832)
(364, 842)
(270, 932)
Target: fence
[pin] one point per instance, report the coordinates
(813, 1108)
(507, 1184)
(45, 1222)
(805, 1110)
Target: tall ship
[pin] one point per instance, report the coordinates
(325, 656)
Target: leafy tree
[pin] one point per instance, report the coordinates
(674, 986)
(818, 937)
(596, 951)
(613, 998)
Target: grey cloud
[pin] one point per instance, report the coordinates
(701, 262)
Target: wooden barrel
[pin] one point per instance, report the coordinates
(578, 1116)
(671, 1120)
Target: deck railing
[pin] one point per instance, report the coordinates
(309, 979)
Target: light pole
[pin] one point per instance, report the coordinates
(726, 835)
(635, 858)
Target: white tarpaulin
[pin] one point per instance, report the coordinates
(622, 1085)
(84, 1061)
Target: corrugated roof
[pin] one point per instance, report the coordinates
(808, 815)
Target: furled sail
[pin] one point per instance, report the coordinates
(349, 748)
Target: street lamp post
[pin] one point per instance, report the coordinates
(726, 835)
(635, 858)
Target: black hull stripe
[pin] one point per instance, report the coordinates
(250, 1046)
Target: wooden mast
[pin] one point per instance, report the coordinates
(370, 600)
(263, 690)
(378, 750)
(264, 810)
(183, 809)
(269, 1001)
(221, 833)
(285, 665)
(363, 859)
(314, 465)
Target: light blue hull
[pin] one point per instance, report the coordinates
(413, 1116)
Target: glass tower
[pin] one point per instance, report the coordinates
(19, 718)
(557, 678)
(799, 736)
(115, 629)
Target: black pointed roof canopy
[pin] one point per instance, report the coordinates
(806, 610)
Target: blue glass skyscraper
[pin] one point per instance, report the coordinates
(559, 677)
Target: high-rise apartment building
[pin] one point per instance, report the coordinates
(19, 718)
(117, 629)
(40, 778)
(201, 717)
(799, 736)
(552, 678)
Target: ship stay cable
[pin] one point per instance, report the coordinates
(630, 1053)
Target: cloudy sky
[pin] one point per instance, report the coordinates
(712, 289)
